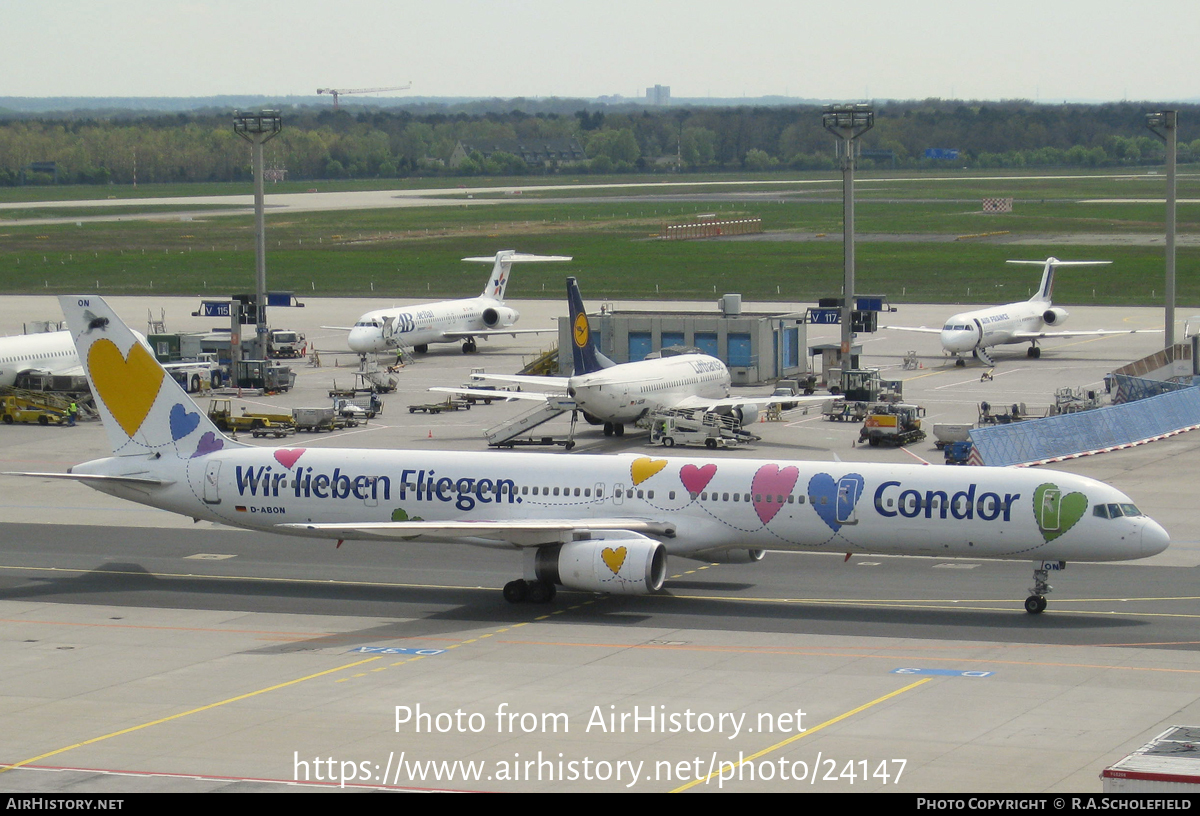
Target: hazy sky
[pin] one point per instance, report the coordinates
(1048, 50)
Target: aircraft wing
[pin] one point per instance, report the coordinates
(463, 335)
(502, 396)
(921, 329)
(522, 533)
(136, 481)
(521, 379)
(737, 402)
(1093, 333)
(339, 328)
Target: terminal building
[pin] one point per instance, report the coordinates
(757, 347)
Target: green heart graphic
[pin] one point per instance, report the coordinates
(1056, 513)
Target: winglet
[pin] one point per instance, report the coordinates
(144, 411)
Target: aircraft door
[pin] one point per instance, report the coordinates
(847, 499)
(1051, 504)
(212, 480)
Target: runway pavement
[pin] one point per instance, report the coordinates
(143, 652)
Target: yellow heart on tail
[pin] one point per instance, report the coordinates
(614, 559)
(127, 386)
(645, 467)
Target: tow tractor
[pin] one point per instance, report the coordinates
(892, 424)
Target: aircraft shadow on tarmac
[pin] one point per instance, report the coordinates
(436, 612)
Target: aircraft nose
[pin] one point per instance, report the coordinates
(1154, 538)
(957, 340)
(360, 339)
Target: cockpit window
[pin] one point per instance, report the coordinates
(1130, 510)
(1112, 511)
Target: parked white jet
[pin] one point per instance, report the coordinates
(1021, 322)
(45, 352)
(447, 321)
(590, 523)
(616, 395)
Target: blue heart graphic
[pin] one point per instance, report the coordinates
(182, 423)
(835, 501)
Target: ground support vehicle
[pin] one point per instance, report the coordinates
(322, 419)
(946, 433)
(694, 427)
(845, 411)
(283, 344)
(270, 377)
(893, 425)
(220, 411)
(794, 388)
(957, 453)
(19, 409)
(438, 407)
(358, 407)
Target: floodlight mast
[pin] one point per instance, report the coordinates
(1164, 125)
(847, 123)
(258, 128)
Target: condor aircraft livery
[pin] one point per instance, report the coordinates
(596, 523)
(448, 321)
(1022, 322)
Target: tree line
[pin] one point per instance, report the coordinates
(396, 143)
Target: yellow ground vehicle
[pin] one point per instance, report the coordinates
(19, 409)
(220, 411)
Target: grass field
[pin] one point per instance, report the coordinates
(936, 248)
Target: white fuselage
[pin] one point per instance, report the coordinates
(713, 505)
(625, 392)
(53, 352)
(994, 326)
(446, 321)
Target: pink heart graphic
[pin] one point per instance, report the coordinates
(288, 456)
(695, 478)
(769, 480)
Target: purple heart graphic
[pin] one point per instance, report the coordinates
(770, 481)
(182, 423)
(835, 501)
(208, 444)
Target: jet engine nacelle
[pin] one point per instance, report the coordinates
(614, 561)
(746, 414)
(499, 317)
(1054, 315)
(728, 556)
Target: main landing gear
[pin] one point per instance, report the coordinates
(1033, 352)
(614, 429)
(469, 346)
(1035, 604)
(520, 591)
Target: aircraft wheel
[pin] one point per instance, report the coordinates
(516, 591)
(608, 429)
(710, 443)
(618, 429)
(568, 446)
(216, 379)
(668, 441)
(43, 420)
(8, 420)
(421, 349)
(1037, 352)
(960, 363)
(466, 348)
(541, 592)
(1035, 604)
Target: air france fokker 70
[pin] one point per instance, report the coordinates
(618, 394)
(447, 321)
(1024, 321)
(601, 523)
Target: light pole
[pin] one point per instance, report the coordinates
(1163, 125)
(847, 123)
(258, 128)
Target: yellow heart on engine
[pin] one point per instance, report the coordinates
(614, 559)
(127, 386)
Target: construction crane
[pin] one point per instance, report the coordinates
(336, 92)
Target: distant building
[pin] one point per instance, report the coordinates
(535, 152)
(659, 96)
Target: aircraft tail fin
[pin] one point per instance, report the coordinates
(586, 356)
(1046, 290)
(143, 409)
(501, 263)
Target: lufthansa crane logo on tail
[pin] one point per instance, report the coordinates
(581, 331)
